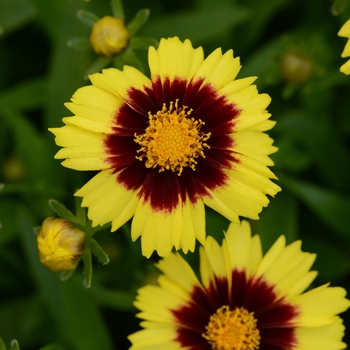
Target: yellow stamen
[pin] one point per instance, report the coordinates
(172, 140)
(232, 330)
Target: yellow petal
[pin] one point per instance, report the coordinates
(107, 200)
(218, 69)
(174, 59)
(325, 337)
(178, 271)
(159, 230)
(319, 306)
(212, 262)
(245, 252)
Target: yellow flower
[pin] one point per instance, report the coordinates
(190, 136)
(60, 244)
(345, 32)
(109, 36)
(244, 301)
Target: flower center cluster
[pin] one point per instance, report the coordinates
(232, 330)
(172, 140)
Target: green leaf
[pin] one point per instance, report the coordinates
(14, 345)
(80, 212)
(61, 210)
(2, 345)
(87, 17)
(14, 14)
(115, 299)
(142, 42)
(87, 276)
(97, 66)
(52, 347)
(79, 43)
(117, 9)
(194, 24)
(64, 275)
(128, 57)
(26, 95)
(138, 21)
(331, 207)
(279, 218)
(97, 250)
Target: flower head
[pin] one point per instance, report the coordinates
(345, 32)
(244, 301)
(109, 36)
(191, 135)
(60, 244)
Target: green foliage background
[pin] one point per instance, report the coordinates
(39, 72)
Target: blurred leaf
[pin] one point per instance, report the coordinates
(302, 140)
(138, 21)
(97, 66)
(292, 154)
(7, 226)
(262, 12)
(64, 275)
(332, 263)
(79, 43)
(27, 95)
(115, 299)
(80, 212)
(67, 66)
(97, 250)
(194, 24)
(37, 158)
(87, 275)
(142, 43)
(2, 345)
(14, 14)
(77, 317)
(279, 218)
(216, 224)
(14, 345)
(264, 63)
(117, 9)
(61, 210)
(87, 17)
(331, 207)
(52, 347)
(128, 57)
(339, 6)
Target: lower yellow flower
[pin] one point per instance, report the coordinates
(245, 301)
(60, 244)
(345, 32)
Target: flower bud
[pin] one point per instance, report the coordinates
(60, 244)
(109, 36)
(295, 67)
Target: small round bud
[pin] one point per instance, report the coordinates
(295, 67)
(14, 169)
(60, 244)
(109, 36)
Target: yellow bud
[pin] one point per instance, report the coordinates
(109, 36)
(60, 244)
(295, 67)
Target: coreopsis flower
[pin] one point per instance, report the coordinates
(244, 301)
(109, 36)
(60, 244)
(191, 135)
(345, 32)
